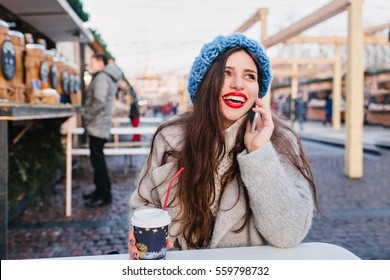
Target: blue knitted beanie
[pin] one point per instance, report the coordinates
(212, 50)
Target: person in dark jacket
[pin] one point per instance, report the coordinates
(328, 111)
(286, 108)
(98, 114)
(134, 117)
(299, 109)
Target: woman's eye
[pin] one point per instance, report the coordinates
(250, 76)
(228, 73)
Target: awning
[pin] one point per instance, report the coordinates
(54, 18)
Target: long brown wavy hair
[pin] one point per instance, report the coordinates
(203, 147)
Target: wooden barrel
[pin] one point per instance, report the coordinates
(6, 73)
(17, 83)
(28, 38)
(33, 67)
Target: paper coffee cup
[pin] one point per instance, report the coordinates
(151, 232)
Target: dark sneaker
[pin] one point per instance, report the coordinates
(90, 195)
(97, 202)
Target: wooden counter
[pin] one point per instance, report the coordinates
(10, 113)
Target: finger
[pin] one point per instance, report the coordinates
(259, 102)
(260, 110)
(135, 256)
(169, 244)
(259, 121)
(132, 249)
(264, 112)
(133, 252)
(131, 238)
(267, 116)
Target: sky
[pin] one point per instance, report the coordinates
(165, 36)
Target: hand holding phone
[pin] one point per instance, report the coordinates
(259, 132)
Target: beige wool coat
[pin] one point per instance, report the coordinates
(279, 196)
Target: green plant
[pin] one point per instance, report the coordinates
(34, 161)
(101, 42)
(77, 6)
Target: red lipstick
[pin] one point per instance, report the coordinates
(235, 100)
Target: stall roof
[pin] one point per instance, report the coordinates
(54, 18)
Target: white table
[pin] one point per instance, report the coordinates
(121, 130)
(303, 251)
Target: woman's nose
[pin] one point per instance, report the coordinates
(237, 83)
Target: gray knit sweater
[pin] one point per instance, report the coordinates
(279, 196)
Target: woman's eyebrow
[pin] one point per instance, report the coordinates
(245, 70)
(250, 70)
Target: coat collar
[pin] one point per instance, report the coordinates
(231, 210)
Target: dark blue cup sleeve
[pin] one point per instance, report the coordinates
(151, 242)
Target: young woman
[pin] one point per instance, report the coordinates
(239, 187)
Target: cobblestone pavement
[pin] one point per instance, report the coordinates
(356, 212)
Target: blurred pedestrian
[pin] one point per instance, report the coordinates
(274, 105)
(299, 110)
(175, 108)
(98, 115)
(135, 117)
(328, 111)
(280, 104)
(286, 107)
(155, 110)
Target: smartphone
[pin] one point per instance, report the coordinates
(256, 118)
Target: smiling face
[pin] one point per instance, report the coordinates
(240, 88)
